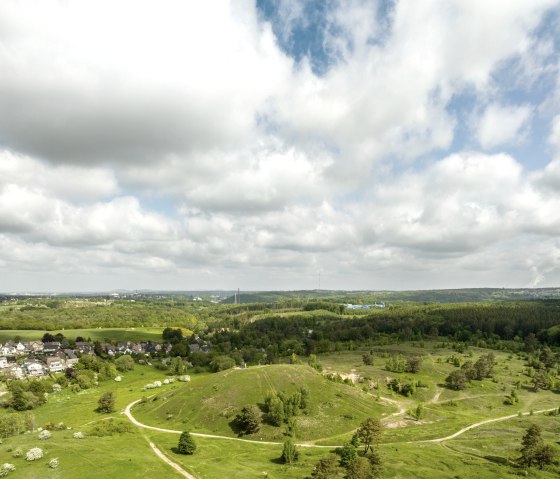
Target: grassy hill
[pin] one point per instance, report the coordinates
(210, 403)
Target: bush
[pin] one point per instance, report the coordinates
(45, 434)
(110, 427)
(6, 469)
(78, 435)
(34, 454)
(53, 463)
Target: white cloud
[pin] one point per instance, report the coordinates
(502, 124)
(269, 172)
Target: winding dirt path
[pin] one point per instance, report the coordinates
(128, 414)
(478, 424)
(174, 465)
(134, 421)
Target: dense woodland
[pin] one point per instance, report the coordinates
(300, 326)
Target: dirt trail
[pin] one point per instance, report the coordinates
(435, 399)
(174, 465)
(424, 441)
(211, 436)
(478, 424)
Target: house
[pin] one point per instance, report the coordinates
(69, 354)
(84, 347)
(34, 369)
(152, 348)
(21, 348)
(55, 364)
(8, 350)
(71, 362)
(51, 347)
(3, 362)
(109, 349)
(136, 347)
(35, 346)
(194, 347)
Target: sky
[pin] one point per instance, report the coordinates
(279, 145)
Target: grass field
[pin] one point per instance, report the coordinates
(97, 334)
(126, 455)
(209, 403)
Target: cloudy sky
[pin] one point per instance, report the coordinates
(405, 144)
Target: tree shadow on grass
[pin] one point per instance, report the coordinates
(277, 460)
(235, 426)
(498, 460)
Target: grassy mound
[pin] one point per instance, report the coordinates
(209, 404)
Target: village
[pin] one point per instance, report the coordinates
(21, 359)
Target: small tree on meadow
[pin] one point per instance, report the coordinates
(106, 402)
(534, 452)
(413, 364)
(124, 363)
(249, 420)
(359, 469)
(370, 432)
(456, 380)
(275, 411)
(290, 454)
(348, 454)
(326, 468)
(186, 444)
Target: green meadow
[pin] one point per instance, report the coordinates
(210, 402)
(95, 334)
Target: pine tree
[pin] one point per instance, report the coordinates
(186, 444)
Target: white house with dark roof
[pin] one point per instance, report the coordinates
(55, 364)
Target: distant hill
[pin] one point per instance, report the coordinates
(418, 296)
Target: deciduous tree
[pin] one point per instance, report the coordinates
(106, 402)
(370, 432)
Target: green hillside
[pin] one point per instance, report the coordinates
(209, 404)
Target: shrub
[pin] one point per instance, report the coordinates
(34, 454)
(6, 469)
(17, 453)
(78, 435)
(110, 427)
(290, 453)
(53, 463)
(45, 434)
